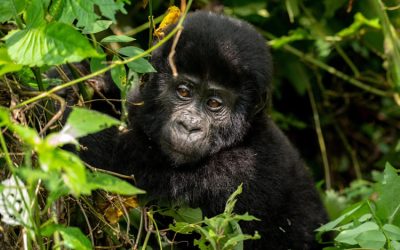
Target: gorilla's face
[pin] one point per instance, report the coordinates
(201, 116)
(223, 78)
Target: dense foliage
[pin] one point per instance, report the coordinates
(337, 84)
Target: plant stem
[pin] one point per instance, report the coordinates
(320, 136)
(151, 23)
(144, 26)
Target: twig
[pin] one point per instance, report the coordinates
(320, 138)
(57, 116)
(87, 222)
(172, 53)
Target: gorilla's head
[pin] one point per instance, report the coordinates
(224, 71)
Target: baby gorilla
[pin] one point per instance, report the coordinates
(199, 135)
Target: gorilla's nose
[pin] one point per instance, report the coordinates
(190, 124)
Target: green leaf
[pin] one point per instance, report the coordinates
(82, 122)
(109, 8)
(96, 27)
(185, 214)
(117, 39)
(140, 65)
(6, 64)
(75, 239)
(10, 9)
(182, 227)
(72, 236)
(118, 74)
(245, 217)
(34, 15)
(392, 231)
(52, 44)
(294, 35)
(112, 184)
(4, 116)
(84, 11)
(73, 170)
(237, 239)
(388, 203)
(349, 236)
(373, 239)
(230, 203)
(292, 7)
(27, 134)
(359, 22)
(356, 210)
(98, 63)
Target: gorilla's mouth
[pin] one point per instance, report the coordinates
(180, 155)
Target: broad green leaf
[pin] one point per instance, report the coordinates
(27, 134)
(96, 27)
(349, 236)
(82, 122)
(373, 239)
(140, 65)
(118, 74)
(9, 9)
(84, 11)
(98, 63)
(299, 78)
(185, 214)
(72, 236)
(117, 39)
(4, 116)
(392, 231)
(56, 8)
(6, 64)
(112, 184)
(182, 227)
(73, 170)
(109, 8)
(388, 203)
(52, 44)
(237, 239)
(356, 210)
(34, 15)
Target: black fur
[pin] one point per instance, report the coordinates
(246, 147)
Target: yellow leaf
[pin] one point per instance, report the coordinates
(173, 14)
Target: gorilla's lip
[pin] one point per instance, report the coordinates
(167, 146)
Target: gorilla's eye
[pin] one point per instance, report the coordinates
(183, 91)
(214, 103)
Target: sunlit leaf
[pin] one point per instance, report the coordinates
(52, 44)
(97, 26)
(73, 237)
(117, 39)
(112, 184)
(82, 122)
(10, 8)
(349, 236)
(118, 74)
(140, 65)
(373, 239)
